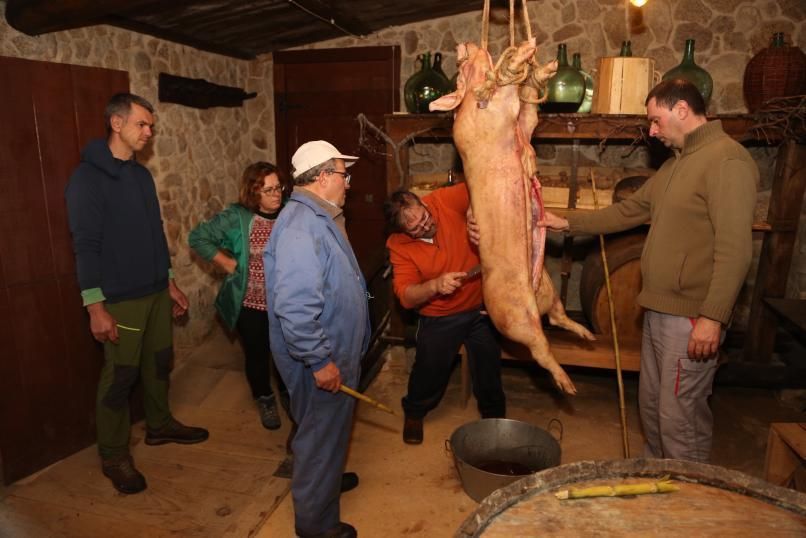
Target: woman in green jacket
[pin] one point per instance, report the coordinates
(234, 240)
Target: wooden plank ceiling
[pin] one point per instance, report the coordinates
(237, 28)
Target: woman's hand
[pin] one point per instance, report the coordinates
(224, 262)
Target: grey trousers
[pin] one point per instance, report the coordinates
(673, 391)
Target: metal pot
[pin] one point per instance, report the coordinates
(511, 444)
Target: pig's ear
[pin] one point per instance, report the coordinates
(446, 102)
(451, 100)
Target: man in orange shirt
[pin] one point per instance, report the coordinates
(431, 256)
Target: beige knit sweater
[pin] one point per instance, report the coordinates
(699, 247)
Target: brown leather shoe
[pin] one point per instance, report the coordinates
(124, 476)
(413, 431)
(176, 432)
(342, 530)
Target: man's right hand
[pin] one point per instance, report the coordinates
(328, 378)
(102, 325)
(447, 283)
(553, 222)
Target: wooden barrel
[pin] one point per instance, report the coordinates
(711, 501)
(624, 261)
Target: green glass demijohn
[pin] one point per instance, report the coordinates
(432, 83)
(626, 49)
(566, 89)
(411, 85)
(690, 71)
(587, 101)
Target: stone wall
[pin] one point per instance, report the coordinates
(197, 155)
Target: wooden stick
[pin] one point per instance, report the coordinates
(623, 412)
(355, 394)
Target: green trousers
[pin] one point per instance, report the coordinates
(144, 350)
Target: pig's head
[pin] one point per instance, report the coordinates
(474, 64)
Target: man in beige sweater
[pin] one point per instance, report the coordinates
(696, 256)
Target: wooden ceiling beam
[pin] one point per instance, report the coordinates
(36, 17)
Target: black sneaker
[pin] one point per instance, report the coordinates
(124, 476)
(269, 414)
(176, 432)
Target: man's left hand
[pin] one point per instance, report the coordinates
(704, 340)
(180, 301)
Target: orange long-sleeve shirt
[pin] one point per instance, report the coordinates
(415, 261)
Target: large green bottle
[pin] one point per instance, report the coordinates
(587, 101)
(411, 84)
(566, 89)
(432, 84)
(688, 70)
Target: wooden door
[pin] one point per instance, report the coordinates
(318, 94)
(50, 363)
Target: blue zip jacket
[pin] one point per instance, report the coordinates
(316, 293)
(118, 239)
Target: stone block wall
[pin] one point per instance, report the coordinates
(197, 156)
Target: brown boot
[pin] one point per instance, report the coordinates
(124, 476)
(176, 432)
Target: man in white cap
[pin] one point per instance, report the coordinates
(319, 330)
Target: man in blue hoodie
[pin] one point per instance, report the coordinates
(124, 272)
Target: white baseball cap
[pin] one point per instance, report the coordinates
(314, 153)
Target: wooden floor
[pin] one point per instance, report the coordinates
(222, 487)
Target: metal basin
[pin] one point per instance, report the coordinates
(500, 444)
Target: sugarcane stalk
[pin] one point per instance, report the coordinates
(625, 439)
(357, 395)
(662, 486)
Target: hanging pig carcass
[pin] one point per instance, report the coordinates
(492, 130)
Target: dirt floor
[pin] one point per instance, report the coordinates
(415, 491)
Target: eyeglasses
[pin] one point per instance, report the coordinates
(345, 175)
(272, 190)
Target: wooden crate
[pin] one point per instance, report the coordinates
(786, 454)
(623, 84)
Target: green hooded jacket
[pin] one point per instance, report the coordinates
(227, 231)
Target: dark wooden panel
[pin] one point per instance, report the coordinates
(92, 87)
(319, 94)
(24, 236)
(51, 363)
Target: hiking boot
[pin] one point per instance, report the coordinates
(269, 415)
(124, 476)
(176, 432)
(342, 530)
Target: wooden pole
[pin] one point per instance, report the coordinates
(622, 410)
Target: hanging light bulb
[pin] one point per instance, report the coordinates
(638, 3)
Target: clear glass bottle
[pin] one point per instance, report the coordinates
(587, 101)
(566, 89)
